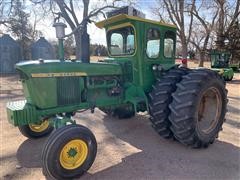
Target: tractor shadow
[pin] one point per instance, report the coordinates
(29, 152)
(155, 158)
(234, 81)
(167, 159)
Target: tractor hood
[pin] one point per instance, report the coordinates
(57, 68)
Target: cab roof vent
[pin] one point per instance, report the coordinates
(129, 10)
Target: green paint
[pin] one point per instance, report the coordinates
(54, 86)
(61, 49)
(58, 122)
(220, 63)
(72, 152)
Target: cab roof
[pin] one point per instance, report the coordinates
(121, 17)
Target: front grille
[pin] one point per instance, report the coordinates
(68, 90)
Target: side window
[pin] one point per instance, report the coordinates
(121, 42)
(153, 43)
(130, 44)
(169, 45)
(116, 44)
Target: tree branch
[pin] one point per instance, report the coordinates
(235, 16)
(191, 22)
(171, 17)
(196, 45)
(73, 13)
(195, 13)
(175, 13)
(64, 14)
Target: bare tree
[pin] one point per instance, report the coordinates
(5, 11)
(229, 12)
(234, 42)
(68, 9)
(35, 34)
(15, 18)
(220, 19)
(228, 28)
(203, 27)
(176, 12)
(69, 47)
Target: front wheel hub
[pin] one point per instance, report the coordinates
(73, 154)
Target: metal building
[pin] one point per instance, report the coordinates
(42, 49)
(10, 54)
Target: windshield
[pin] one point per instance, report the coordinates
(121, 41)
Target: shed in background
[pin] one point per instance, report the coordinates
(42, 49)
(10, 54)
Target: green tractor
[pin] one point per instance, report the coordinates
(235, 66)
(220, 64)
(139, 75)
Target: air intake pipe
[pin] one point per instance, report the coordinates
(85, 40)
(85, 44)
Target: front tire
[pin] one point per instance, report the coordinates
(69, 152)
(198, 108)
(36, 130)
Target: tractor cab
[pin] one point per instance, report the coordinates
(220, 63)
(144, 47)
(220, 59)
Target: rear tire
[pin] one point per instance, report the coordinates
(198, 108)
(36, 131)
(69, 152)
(160, 98)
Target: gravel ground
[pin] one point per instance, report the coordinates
(127, 149)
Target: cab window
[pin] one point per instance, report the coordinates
(169, 44)
(121, 41)
(153, 43)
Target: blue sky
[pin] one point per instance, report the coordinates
(96, 35)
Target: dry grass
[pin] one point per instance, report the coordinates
(96, 58)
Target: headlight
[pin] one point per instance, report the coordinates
(154, 67)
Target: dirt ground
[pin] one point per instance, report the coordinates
(127, 149)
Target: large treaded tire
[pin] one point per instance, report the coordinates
(30, 133)
(161, 97)
(56, 144)
(190, 107)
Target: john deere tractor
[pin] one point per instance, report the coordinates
(220, 63)
(139, 75)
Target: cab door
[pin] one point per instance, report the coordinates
(151, 54)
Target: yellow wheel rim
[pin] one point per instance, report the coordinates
(39, 127)
(73, 154)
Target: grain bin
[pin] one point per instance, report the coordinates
(10, 54)
(42, 49)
